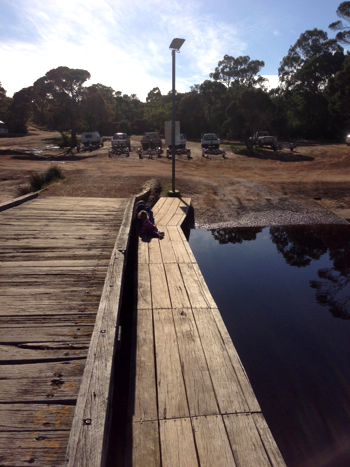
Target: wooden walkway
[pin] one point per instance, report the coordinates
(54, 257)
(192, 403)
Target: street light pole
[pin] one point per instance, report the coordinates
(175, 46)
(173, 126)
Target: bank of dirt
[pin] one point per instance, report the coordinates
(306, 186)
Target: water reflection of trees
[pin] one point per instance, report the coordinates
(300, 245)
(235, 235)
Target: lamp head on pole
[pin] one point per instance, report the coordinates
(176, 44)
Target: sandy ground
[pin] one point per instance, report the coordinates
(309, 185)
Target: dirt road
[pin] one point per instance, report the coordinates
(309, 185)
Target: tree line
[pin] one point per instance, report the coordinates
(311, 101)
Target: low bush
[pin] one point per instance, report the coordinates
(39, 181)
(66, 139)
(244, 151)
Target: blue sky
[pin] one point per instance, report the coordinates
(125, 43)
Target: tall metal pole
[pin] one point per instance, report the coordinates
(173, 126)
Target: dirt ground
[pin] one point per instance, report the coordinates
(309, 185)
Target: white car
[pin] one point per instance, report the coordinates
(92, 138)
(348, 139)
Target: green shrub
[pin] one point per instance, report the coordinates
(66, 139)
(23, 190)
(53, 173)
(39, 181)
(244, 151)
(36, 181)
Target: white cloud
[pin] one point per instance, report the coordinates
(123, 44)
(273, 81)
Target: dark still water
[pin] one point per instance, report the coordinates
(284, 294)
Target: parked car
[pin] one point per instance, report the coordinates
(121, 140)
(210, 140)
(151, 140)
(348, 139)
(262, 138)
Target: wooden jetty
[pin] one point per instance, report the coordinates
(62, 263)
(57, 257)
(192, 403)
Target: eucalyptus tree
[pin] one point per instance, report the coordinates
(249, 110)
(158, 109)
(42, 100)
(213, 94)
(192, 115)
(19, 110)
(310, 62)
(338, 92)
(241, 70)
(127, 108)
(343, 34)
(96, 111)
(304, 74)
(154, 95)
(66, 86)
(5, 103)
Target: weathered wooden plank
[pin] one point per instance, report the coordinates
(158, 206)
(166, 248)
(57, 231)
(53, 288)
(61, 280)
(43, 351)
(165, 215)
(177, 289)
(228, 391)
(193, 286)
(33, 417)
(203, 285)
(199, 389)
(144, 447)
(196, 286)
(124, 230)
(143, 256)
(53, 242)
(144, 296)
(212, 442)
(46, 333)
(237, 364)
(172, 401)
(162, 206)
(87, 445)
(48, 320)
(43, 370)
(39, 448)
(181, 212)
(154, 252)
(9, 269)
(269, 442)
(181, 253)
(245, 440)
(145, 394)
(186, 245)
(20, 306)
(24, 254)
(159, 287)
(177, 443)
(40, 389)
